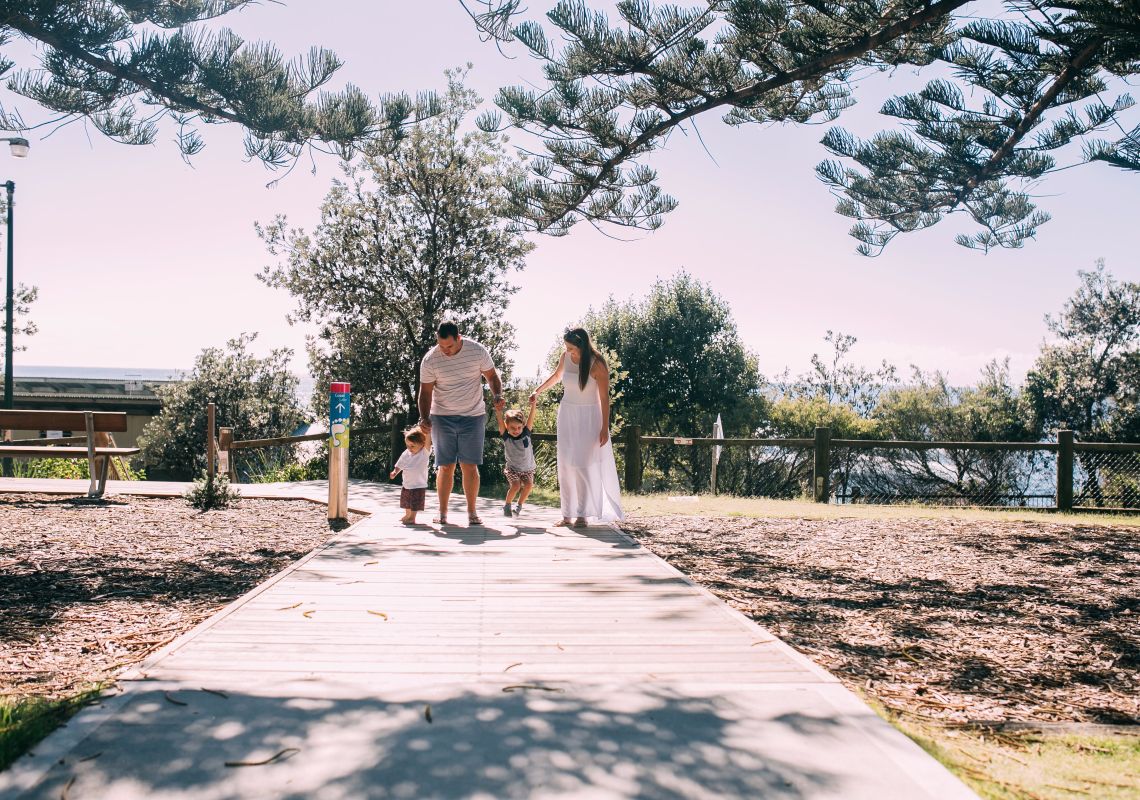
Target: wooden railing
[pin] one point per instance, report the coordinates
(631, 441)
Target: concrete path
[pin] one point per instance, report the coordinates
(513, 660)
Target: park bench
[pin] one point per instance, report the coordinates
(99, 446)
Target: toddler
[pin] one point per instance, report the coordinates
(514, 427)
(413, 462)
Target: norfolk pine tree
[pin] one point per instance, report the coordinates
(1015, 83)
(126, 65)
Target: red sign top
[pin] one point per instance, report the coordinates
(338, 387)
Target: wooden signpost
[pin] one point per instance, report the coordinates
(340, 396)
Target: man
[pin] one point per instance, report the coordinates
(452, 411)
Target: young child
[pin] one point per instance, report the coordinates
(514, 427)
(413, 462)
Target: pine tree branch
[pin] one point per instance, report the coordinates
(33, 30)
(806, 72)
(1033, 115)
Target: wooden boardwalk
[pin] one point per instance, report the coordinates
(513, 660)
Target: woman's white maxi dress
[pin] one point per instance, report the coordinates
(587, 474)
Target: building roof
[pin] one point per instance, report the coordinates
(82, 393)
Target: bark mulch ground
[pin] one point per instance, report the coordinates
(88, 587)
(951, 620)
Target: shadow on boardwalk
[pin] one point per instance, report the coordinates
(493, 743)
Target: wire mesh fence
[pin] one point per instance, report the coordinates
(957, 476)
(1062, 475)
(761, 470)
(1106, 479)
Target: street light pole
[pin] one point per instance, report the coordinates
(10, 301)
(19, 147)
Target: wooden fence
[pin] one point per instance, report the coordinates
(630, 441)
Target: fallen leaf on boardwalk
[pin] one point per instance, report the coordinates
(560, 647)
(370, 563)
(427, 713)
(288, 751)
(66, 789)
(287, 608)
(309, 614)
(378, 613)
(217, 692)
(512, 666)
(174, 700)
(517, 686)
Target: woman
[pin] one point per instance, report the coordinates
(587, 475)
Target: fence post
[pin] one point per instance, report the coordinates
(340, 404)
(225, 453)
(211, 454)
(822, 470)
(633, 458)
(396, 441)
(1064, 470)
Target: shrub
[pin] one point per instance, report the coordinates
(210, 492)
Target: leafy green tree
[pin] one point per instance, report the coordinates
(1016, 84)
(124, 66)
(682, 360)
(682, 363)
(23, 296)
(1088, 378)
(838, 380)
(255, 396)
(409, 237)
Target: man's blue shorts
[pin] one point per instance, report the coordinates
(457, 439)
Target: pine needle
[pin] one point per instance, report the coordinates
(378, 613)
(427, 713)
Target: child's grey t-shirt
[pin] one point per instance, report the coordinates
(520, 454)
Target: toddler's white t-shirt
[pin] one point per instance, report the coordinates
(415, 468)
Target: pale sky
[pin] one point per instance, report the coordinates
(142, 261)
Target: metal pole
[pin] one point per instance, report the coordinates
(9, 320)
(10, 302)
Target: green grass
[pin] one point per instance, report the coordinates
(25, 721)
(1031, 766)
(729, 506)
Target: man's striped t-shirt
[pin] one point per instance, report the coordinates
(458, 379)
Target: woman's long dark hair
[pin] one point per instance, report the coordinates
(580, 338)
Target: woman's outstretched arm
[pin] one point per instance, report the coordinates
(554, 378)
